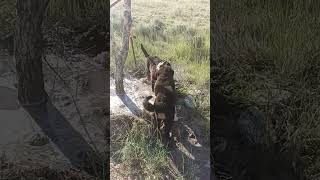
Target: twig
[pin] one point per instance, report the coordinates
(116, 2)
(134, 55)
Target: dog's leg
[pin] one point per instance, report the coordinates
(148, 70)
(161, 126)
(152, 86)
(175, 114)
(164, 134)
(148, 76)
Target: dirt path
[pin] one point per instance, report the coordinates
(192, 153)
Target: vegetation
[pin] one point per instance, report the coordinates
(7, 17)
(178, 33)
(142, 152)
(80, 24)
(268, 52)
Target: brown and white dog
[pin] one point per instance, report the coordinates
(152, 62)
(164, 104)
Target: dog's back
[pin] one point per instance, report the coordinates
(164, 79)
(152, 64)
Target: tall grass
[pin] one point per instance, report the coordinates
(144, 153)
(71, 13)
(79, 13)
(7, 17)
(269, 51)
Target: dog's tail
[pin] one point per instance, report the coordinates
(147, 105)
(144, 51)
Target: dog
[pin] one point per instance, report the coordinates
(164, 104)
(152, 62)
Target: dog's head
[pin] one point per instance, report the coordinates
(164, 69)
(162, 64)
(154, 60)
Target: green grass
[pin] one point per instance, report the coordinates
(144, 153)
(136, 146)
(72, 13)
(7, 17)
(268, 47)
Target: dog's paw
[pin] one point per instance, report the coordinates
(144, 80)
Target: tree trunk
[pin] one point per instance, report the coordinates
(28, 51)
(121, 58)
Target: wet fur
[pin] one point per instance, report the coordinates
(164, 104)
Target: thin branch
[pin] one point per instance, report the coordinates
(116, 2)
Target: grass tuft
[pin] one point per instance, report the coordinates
(144, 153)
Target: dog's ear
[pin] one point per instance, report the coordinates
(168, 71)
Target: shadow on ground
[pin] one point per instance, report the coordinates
(66, 138)
(134, 109)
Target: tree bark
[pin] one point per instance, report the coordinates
(121, 58)
(28, 51)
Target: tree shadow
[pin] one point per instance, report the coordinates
(130, 105)
(70, 142)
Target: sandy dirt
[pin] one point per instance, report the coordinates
(56, 136)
